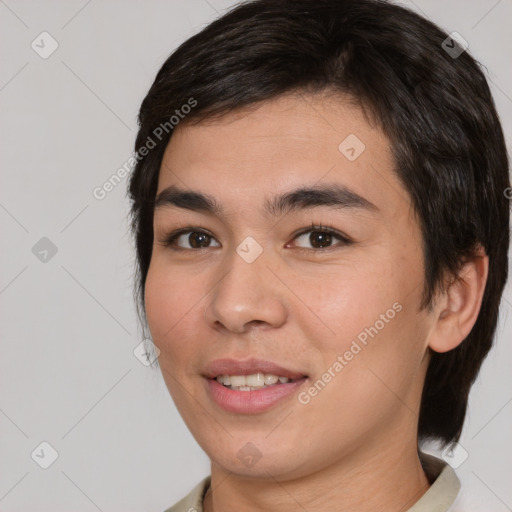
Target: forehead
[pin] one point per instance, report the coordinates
(287, 142)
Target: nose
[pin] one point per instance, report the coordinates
(248, 296)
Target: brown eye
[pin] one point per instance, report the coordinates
(189, 239)
(198, 240)
(320, 238)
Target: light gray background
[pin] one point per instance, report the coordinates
(68, 375)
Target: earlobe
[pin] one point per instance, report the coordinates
(458, 306)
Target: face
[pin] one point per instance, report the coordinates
(285, 246)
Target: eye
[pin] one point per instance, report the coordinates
(321, 237)
(190, 239)
(316, 237)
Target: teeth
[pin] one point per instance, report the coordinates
(250, 382)
(237, 380)
(255, 380)
(271, 379)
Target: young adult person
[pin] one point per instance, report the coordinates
(321, 235)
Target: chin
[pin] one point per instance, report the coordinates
(259, 459)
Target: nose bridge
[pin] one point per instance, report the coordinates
(247, 292)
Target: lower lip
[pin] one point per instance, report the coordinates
(251, 402)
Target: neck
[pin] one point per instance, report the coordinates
(385, 479)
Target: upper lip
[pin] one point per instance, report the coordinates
(248, 367)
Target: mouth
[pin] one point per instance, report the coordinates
(250, 368)
(250, 386)
(254, 381)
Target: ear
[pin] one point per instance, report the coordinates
(457, 307)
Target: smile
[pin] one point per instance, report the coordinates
(250, 386)
(250, 382)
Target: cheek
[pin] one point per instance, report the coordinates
(370, 319)
(351, 301)
(379, 359)
(174, 310)
(172, 303)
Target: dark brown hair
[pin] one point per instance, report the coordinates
(435, 108)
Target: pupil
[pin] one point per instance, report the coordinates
(197, 239)
(320, 239)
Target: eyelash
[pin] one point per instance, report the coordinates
(170, 239)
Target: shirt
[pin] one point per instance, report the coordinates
(440, 496)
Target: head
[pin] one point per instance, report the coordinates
(302, 99)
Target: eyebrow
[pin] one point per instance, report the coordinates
(327, 195)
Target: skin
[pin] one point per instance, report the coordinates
(354, 445)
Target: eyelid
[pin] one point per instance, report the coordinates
(169, 239)
(344, 239)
